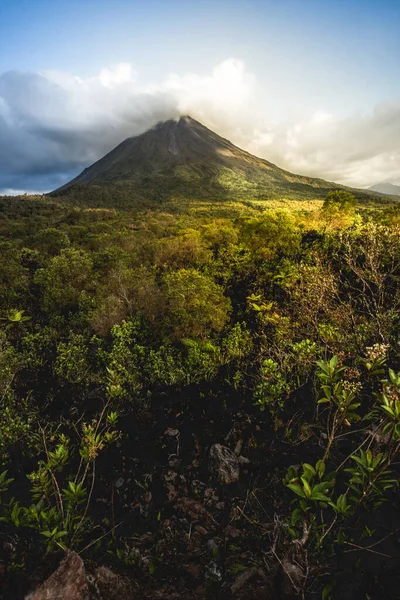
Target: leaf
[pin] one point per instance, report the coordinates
(309, 468)
(327, 592)
(320, 487)
(334, 360)
(297, 489)
(388, 410)
(319, 496)
(393, 377)
(320, 466)
(306, 487)
(388, 427)
(327, 391)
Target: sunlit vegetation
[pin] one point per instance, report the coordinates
(283, 316)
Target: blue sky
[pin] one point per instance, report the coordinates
(303, 67)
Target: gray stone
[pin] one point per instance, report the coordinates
(119, 483)
(68, 582)
(224, 464)
(112, 586)
(293, 579)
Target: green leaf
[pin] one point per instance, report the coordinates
(309, 471)
(297, 489)
(319, 496)
(334, 360)
(320, 466)
(327, 592)
(306, 487)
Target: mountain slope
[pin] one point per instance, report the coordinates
(386, 188)
(185, 159)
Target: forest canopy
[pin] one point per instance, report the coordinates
(133, 341)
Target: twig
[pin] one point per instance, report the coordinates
(357, 548)
(87, 503)
(55, 482)
(328, 530)
(100, 538)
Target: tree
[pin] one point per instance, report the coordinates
(339, 201)
(63, 281)
(274, 233)
(196, 305)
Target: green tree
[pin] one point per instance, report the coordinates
(51, 241)
(196, 305)
(274, 233)
(66, 277)
(339, 202)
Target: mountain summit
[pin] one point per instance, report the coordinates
(386, 188)
(185, 159)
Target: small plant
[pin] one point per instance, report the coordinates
(339, 395)
(376, 357)
(310, 484)
(370, 478)
(390, 405)
(272, 389)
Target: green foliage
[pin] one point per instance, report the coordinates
(339, 201)
(124, 362)
(51, 241)
(335, 393)
(196, 305)
(312, 484)
(237, 344)
(10, 363)
(72, 359)
(106, 312)
(66, 277)
(370, 477)
(16, 422)
(272, 389)
(389, 400)
(272, 234)
(202, 360)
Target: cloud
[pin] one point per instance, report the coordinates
(52, 125)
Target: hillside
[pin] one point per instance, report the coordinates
(185, 159)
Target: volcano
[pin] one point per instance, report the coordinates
(185, 159)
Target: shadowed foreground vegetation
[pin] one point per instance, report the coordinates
(133, 340)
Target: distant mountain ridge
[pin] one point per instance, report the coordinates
(386, 188)
(185, 159)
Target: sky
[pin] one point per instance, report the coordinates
(311, 85)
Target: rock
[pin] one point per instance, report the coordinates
(243, 461)
(112, 586)
(293, 579)
(224, 464)
(212, 548)
(119, 483)
(96, 393)
(201, 530)
(171, 432)
(238, 447)
(243, 578)
(232, 531)
(67, 582)
(193, 570)
(213, 573)
(147, 497)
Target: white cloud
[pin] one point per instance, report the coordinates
(54, 124)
